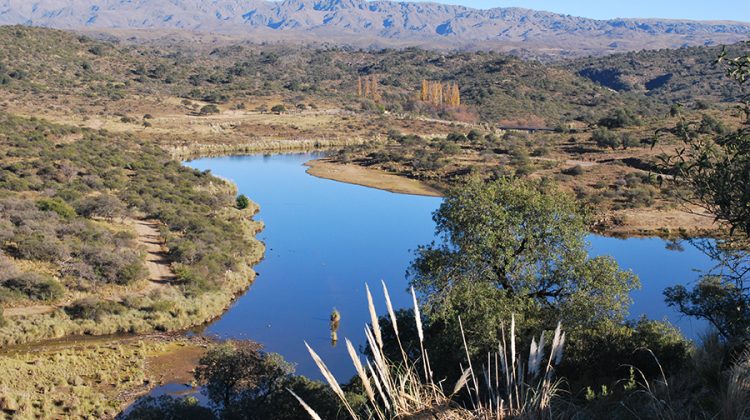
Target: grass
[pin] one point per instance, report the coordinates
(86, 380)
(504, 387)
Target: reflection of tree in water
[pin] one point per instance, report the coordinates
(722, 294)
(675, 246)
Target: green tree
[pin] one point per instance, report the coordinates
(232, 369)
(714, 168)
(604, 138)
(242, 202)
(516, 247)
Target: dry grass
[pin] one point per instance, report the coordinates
(90, 380)
(406, 389)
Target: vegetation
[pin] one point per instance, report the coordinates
(66, 207)
(714, 165)
(243, 382)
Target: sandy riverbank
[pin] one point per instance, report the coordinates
(640, 222)
(354, 174)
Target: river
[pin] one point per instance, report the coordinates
(326, 239)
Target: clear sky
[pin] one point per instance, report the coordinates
(608, 9)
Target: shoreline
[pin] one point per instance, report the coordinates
(629, 223)
(371, 178)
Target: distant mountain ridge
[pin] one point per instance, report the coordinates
(376, 23)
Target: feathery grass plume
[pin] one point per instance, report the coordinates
(402, 392)
(374, 318)
(330, 379)
(307, 408)
(735, 402)
(360, 370)
(417, 316)
(394, 323)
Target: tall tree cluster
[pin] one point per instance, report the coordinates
(440, 94)
(368, 87)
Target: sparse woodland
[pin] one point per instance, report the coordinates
(531, 157)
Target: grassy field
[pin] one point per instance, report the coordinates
(91, 378)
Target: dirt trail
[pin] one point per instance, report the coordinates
(157, 263)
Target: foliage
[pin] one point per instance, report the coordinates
(243, 382)
(715, 168)
(514, 247)
(242, 202)
(168, 408)
(404, 387)
(209, 109)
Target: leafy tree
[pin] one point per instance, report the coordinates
(169, 408)
(209, 109)
(242, 202)
(621, 118)
(515, 247)
(605, 138)
(715, 169)
(237, 370)
(244, 382)
(58, 206)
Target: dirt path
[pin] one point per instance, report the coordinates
(157, 263)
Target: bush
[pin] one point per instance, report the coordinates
(58, 206)
(278, 109)
(209, 109)
(168, 408)
(103, 205)
(242, 202)
(605, 138)
(35, 286)
(574, 171)
(93, 309)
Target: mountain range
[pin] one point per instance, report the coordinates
(374, 24)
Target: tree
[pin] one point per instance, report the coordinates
(242, 202)
(714, 168)
(168, 408)
(605, 138)
(209, 109)
(102, 205)
(516, 247)
(278, 109)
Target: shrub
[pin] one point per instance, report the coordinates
(93, 309)
(278, 109)
(242, 202)
(574, 171)
(605, 138)
(35, 286)
(58, 206)
(103, 205)
(209, 109)
(41, 247)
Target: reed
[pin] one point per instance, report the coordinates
(406, 389)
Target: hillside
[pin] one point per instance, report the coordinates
(378, 23)
(681, 75)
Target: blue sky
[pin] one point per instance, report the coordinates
(607, 9)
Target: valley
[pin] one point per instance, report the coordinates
(168, 207)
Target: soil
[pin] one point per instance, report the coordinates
(354, 174)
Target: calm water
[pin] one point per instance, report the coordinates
(325, 239)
